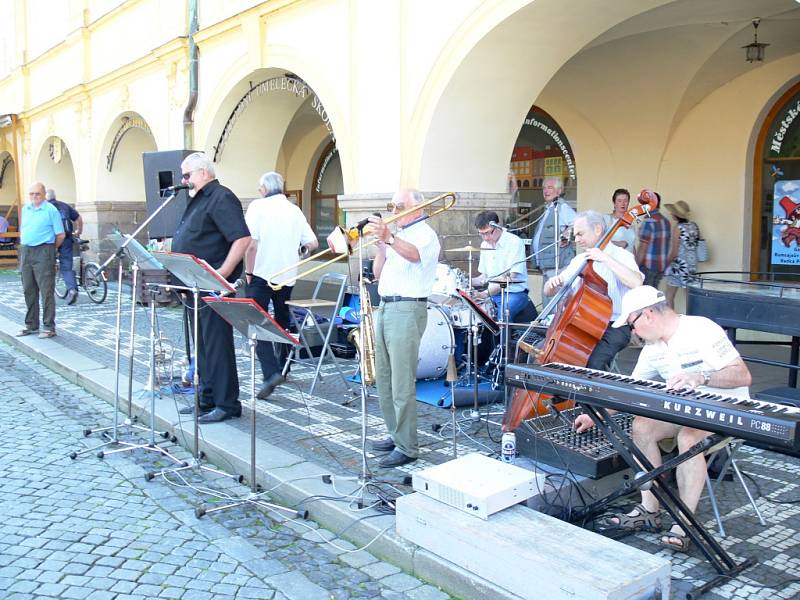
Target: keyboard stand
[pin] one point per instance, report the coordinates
(719, 558)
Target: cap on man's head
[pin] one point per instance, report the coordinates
(638, 298)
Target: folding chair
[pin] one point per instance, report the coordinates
(729, 451)
(311, 309)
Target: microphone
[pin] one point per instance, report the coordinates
(182, 186)
(236, 285)
(363, 222)
(496, 226)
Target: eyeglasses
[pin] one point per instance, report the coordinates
(391, 206)
(185, 176)
(632, 324)
(485, 233)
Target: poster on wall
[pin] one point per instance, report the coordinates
(786, 223)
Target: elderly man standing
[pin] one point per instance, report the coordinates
(548, 244)
(73, 226)
(41, 234)
(213, 228)
(278, 229)
(406, 267)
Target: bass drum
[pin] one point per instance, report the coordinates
(437, 343)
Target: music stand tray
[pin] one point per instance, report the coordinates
(488, 321)
(137, 252)
(194, 272)
(248, 318)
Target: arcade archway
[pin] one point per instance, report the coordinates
(119, 175)
(54, 168)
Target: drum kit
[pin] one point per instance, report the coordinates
(452, 326)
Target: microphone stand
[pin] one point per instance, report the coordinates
(130, 420)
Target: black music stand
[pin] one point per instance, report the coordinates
(253, 322)
(197, 276)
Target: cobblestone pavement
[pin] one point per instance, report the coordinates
(94, 528)
(317, 428)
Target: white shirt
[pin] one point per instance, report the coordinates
(510, 250)
(566, 216)
(623, 234)
(615, 287)
(401, 277)
(698, 344)
(280, 228)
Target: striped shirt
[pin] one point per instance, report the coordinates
(655, 234)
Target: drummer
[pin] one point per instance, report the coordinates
(504, 265)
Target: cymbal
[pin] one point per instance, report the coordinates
(505, 279)
(467, 249)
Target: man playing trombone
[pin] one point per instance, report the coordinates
(278, 229)
(405, 265)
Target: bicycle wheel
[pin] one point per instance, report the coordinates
(61, 286)
(94, 283)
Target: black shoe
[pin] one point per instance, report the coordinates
(395, 459)
(217, 416)
(385, 445)
(189, 410)
(269, 386)
(72, 297)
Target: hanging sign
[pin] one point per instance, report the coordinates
(786, 223)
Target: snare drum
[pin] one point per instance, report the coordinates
(437, 343)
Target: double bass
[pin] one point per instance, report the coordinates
(582, 313)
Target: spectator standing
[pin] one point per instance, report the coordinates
(654, 244)
(683, 250)
(73, 226)
(41, 233)
(624, 237)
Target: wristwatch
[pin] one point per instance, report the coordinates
(706, 377)
(390, 241)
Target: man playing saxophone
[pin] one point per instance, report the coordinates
(405, 265)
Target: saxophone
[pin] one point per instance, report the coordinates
(366, 355)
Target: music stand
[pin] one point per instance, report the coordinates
(247, 317)
(197, 276)
(126, 245)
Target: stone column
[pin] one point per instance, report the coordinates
(101, 218)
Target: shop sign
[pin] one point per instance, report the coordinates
(553, 134)
(786, 223)
(786, 122)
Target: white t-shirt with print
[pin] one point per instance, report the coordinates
(698, 344)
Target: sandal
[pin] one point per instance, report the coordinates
(641, 520)
(678, 542)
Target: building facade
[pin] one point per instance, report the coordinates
(351, 99)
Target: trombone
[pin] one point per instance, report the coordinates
(447, 201)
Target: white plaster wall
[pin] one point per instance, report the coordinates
(707, 164)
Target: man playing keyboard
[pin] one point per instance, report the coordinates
(686, 352)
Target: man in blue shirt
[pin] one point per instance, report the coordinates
(73, 225)
(41, 233)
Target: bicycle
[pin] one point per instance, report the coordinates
(88, 275)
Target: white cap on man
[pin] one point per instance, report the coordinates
(637, 299)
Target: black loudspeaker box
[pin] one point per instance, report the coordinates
(161, 171)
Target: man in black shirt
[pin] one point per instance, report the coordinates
(213, 228)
